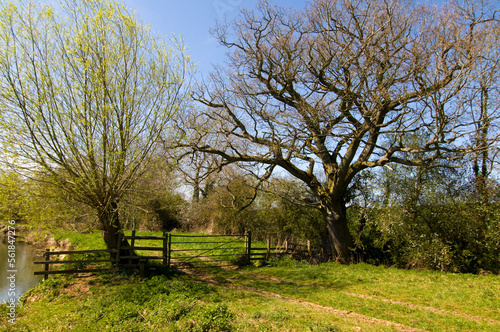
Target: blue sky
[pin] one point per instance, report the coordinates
(192, 19)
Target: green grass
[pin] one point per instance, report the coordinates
(471, 294)
(428, 300)
(282, 296)
(82, 241)
(165, 303)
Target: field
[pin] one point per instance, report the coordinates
(284, 295)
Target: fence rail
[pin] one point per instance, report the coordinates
(48, 262)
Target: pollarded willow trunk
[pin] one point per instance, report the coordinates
(111, 226)
(339, 240)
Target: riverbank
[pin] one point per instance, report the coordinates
(39, 238)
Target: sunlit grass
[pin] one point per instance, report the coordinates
(470, 294)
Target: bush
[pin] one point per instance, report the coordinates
(451, 237)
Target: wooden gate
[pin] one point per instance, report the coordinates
(188, 250)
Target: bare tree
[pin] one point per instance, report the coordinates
(86, 94)
(199, 171)
(332, 90)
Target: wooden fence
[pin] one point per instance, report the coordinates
(132, 259)
(176, 249)
(69, 270)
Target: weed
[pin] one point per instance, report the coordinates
(285, 261)
(51, 287)
(214, 318)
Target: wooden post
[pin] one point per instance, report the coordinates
(47, 258)
(142, 264)
(165, 248)
(268, 245)
(132, 243)
(169, 254)
(70, 258)
(249, 245)
(309, 248)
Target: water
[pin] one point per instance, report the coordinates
(24, 268)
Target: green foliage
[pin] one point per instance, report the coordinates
(152, 204)
(41, 206)
(12, 197)
(283, 220)
(285, 261)
(163, 213)
(424, 220)
(455, 237)
(49, 288)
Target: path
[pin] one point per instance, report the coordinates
(202, 275)
(377, 298)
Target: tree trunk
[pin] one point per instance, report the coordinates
(482, 155)
(111, 228)
(339, 239)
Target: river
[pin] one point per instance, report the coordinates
(21, 272)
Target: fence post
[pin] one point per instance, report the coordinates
(131, 250)
(165, 248)
(169, 254)
(142, 265)
(70, 258)
(268, 245)
(249, 245)
(47, 258)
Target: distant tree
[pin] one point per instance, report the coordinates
(86, 95)
(484, 103)
(152, 203)
(314, 91)
(199, 171)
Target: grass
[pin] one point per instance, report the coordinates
(285, 295)
(82, 241)
(447, 291)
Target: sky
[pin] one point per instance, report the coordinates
(193, 19)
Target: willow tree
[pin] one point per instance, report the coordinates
(326, 92)
(86, 93)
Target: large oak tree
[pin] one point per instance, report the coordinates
(331, 90)
(86, 94)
